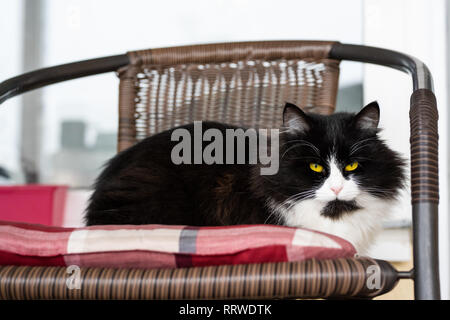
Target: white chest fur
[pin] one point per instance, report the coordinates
(358, 227)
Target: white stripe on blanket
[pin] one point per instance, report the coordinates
(306, 238)
(162, 240)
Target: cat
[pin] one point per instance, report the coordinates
(335, 175)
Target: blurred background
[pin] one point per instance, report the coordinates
(64, 133)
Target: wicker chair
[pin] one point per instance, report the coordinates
(247, 84)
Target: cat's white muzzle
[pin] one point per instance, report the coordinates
(337, 187)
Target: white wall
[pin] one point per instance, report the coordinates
(418, 28)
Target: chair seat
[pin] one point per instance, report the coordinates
(181, 262)
(164, 246)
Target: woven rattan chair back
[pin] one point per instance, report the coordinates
(244, 84)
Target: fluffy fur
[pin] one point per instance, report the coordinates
(142, 186)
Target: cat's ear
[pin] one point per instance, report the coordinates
(368, 117)
(295, 119)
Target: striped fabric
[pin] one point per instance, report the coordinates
(164, 246)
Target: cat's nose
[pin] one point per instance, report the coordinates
(336, 190)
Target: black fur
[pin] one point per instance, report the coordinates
(335, 209)
(141, 185)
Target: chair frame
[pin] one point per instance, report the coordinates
(424, 140)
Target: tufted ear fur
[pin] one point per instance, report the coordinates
(295, 119)
(368, 117)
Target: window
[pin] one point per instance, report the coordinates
(79, 118)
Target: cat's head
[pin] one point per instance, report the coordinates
(335, 162)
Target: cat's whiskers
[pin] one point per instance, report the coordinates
(360, 144)
(362, 141)
(303, 142)
(358, 148)
(300, 144)
(375, 190)
(379, 191)
(294, 202)
(290, 201)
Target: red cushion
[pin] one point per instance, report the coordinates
(164, 246)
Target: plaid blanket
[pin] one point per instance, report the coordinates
(163, 246)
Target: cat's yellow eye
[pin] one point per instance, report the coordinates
(316, 167)
(351, 166)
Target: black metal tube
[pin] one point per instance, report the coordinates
(421, 76)
(406, 274)
(426, 254)
(42, 77)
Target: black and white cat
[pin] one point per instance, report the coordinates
(335, 175)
